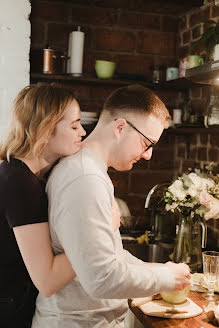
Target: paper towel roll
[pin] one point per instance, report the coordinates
(75, 52)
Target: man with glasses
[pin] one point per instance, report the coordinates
(81, 198)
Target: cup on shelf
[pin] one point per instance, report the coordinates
(172, 73)
(194, 61)
(177, 116)
(105, 69)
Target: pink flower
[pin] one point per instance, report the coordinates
(214, 209)
(205, 199)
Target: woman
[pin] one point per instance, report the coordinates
(45, 126)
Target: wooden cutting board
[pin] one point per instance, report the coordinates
(160, 308)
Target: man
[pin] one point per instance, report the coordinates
(81, 198)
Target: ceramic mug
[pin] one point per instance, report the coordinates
(172, 73)
(194, 61)
(104, 69)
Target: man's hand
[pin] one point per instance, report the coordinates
(181, 274)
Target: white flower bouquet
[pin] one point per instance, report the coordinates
(194, 195)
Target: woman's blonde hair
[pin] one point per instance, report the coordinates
(35, 113)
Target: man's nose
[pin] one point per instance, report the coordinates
(147, 154)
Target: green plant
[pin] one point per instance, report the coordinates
(210, 36)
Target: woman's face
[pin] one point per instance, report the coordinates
(66, 138)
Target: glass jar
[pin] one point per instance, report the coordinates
(212, 118)
(189, 243)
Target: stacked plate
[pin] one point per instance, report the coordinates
(88, 118)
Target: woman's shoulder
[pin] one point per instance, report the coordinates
(16, 175)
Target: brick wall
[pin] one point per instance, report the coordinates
(136, 38)
(204, 148)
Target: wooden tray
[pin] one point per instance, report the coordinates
(160, 308)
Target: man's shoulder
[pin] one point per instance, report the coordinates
(83, 163)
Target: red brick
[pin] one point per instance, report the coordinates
(198, 106)
(136, 204)
(213, 155)
(193, 139)
(142, 181)
(162, 159)
(120, 181)
(90, 105)
(189, 164)
(81, 91)
(58, 34)
(202, 153)
(168, 97)
(108, 4)
(139, 21)
(214, 139)
(157, 43)
(142, 164)
(215, 11)
(38, 36)
(195, 92)
(183, 51)
(206, 90)
(100, 92)
(197, 48)
(186, 37)
(181, 151)
(193, 153)
(203, 139)
(196, 32)
(50, 12)
(36, 60)
(169, 23)
(198, 16)
(183, 22)
(113, 40)
(134, 64)
(94, 16)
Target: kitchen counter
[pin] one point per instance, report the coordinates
(195, 322)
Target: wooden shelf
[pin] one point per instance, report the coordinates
(177, 84)
(192, 130)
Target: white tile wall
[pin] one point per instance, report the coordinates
(14, 53)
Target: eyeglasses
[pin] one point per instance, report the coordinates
(152, 143)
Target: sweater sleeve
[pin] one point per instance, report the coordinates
(83, 223)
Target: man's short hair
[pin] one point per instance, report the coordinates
(135, 99)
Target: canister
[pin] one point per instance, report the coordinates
(49, 61)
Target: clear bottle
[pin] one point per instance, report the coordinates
(212, 118)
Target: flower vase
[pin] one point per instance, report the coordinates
(188, 246)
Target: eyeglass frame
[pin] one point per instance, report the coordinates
(152, 143)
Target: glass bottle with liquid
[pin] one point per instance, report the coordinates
(212, 117)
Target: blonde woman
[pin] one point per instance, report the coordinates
(45, 126)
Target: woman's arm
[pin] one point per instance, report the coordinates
(49, 273)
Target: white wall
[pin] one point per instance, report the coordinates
(14, 53)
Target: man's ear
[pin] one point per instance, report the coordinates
(118, 127)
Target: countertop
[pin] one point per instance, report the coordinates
(195, 322)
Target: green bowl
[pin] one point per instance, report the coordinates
(177, 296)
(105, 69)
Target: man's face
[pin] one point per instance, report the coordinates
(132, 144)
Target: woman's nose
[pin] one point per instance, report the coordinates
(147, 154)
(82, 131)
